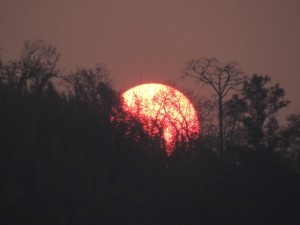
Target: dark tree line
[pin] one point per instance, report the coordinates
(69, 154)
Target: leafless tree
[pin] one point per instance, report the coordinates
(38, 64)
(221, 78)
(35, 68)
(88, 85)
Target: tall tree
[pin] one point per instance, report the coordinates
(221, 78)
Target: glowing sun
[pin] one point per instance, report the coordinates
(162, 108)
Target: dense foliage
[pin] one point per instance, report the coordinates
(70, 155)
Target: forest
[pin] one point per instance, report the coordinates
(70, 154)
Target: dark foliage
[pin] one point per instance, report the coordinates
(79, 159)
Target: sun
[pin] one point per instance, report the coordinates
(163, 108)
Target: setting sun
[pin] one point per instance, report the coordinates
(162, 106)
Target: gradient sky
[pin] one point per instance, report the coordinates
(150, 40)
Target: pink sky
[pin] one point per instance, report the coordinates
(152, 40)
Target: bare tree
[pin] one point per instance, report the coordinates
(38, 64)
(221, 78)
(92, 86)
(33, 71)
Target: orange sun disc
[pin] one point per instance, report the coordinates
(160, 106)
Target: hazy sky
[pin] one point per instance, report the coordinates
(153, 39)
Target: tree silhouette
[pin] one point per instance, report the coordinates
(290, 140)
(222, 79)
(262, 104)
(85, 83)
(93, 163)
(234, 113)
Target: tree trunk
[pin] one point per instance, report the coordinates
(221, 127)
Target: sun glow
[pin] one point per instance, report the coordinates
(161, 107)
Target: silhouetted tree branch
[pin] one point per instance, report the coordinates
(221, 78)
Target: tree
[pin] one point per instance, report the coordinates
(290, 139)
(38, 63)
(35, 68)
(262, 104)
(221, 78)
(206, 108)
(234, 113)
(91, 86)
